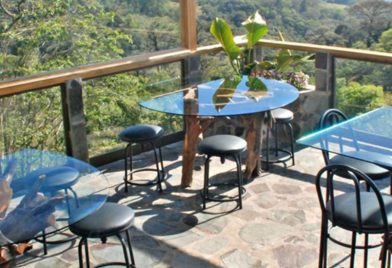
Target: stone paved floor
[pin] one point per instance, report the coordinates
(277, 227)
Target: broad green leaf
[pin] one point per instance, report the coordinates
(222, 32)
(255, 84)
(256, 27)
(266, 65)
(225, 92)
(284, 60)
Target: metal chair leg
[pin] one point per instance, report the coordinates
(365, 252)
(353, 245)
(323, 243)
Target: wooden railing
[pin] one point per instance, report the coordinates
(132, 63)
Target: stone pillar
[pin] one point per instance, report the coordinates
(190, 71)
(325, 75)
(74, 120)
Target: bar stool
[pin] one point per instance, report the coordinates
(111, 219)
(222, 146)
(143, 134)
(280, 117)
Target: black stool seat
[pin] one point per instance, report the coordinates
(222, 145)
(109, 220)
(141, 133)
(282, 115)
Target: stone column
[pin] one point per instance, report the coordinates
(325, 75)
(74, 119)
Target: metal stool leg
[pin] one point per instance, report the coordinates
(124, 249)
(239, 179)
(128, 150)
(267, 149)
(276, 138)
(291, 142)
(130, 247)
(157, 167)
(206, 175)
(161, 158)
(44, 242)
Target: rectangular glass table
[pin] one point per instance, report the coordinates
(249, 99)
(367, 137)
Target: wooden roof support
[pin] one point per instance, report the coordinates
(188, 24)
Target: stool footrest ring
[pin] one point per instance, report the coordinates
(155, 181)
(221, 197)
(283, 156)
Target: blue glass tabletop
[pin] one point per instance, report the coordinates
(366, 137)
(226, 97)
(41, 190)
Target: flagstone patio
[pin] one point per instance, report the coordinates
(277, 227)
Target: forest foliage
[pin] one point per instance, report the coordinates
(45, 35)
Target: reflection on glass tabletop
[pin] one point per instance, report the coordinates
(225, 98)
(366, 137)
(45, 190)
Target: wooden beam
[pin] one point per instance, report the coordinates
(57, 78)
(339, 52)
(188, 24)
(132, 63)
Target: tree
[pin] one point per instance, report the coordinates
(385, 43)
(355, 98)
(375, 17)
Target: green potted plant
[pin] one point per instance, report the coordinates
(284, 66)
(241, 58)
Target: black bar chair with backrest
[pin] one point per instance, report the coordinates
(364, 210)
(375, 172)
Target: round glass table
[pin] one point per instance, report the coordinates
(42, 191)
(248, 97)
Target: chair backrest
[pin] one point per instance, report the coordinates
(353, 177)
(329, 118)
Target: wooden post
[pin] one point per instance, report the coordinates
(254, 124)
(190, 71)
(74, 120)
(188, 24)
